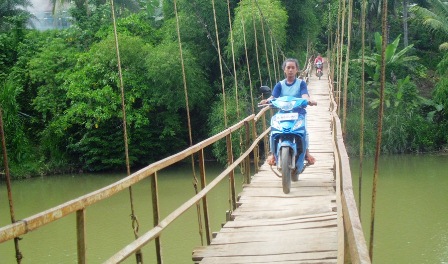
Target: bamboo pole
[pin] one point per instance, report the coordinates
(341, 56)
(156, 214)
(234, 63)
(81, 236)
(248, 65)
(380, 126)
(256, 43)
(266, 48)
(220, 66)
(8, 187)
(208, 235)
(273, 59)
(347, 63)
(361, 137)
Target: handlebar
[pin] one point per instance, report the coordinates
(310, 103)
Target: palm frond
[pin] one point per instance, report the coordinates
(435, 18)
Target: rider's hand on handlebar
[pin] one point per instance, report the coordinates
(312, 102)
(263, 102)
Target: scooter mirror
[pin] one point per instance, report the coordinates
(266, 91)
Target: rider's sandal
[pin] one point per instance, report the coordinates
(271, 160)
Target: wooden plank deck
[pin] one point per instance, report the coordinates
(300, 227)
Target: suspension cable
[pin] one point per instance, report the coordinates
(269, 29)
(266, 50)
(209, 35)
(195, 179)
(330, 42)
(361, 136)
(336, 54)
(242, 165)
(19, 255)
(347, 62)
(380, 125)
(233, 59)
(135, 223)
(220, 66)
(248, 65)
(259, 70)
(256, 42)
(341, 56)
(273, 60)
(279, 69)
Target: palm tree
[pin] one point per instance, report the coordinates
(435, 18)
(393, 58)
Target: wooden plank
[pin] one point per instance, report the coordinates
(303, 227)
(266, 235)
(322, 258)
(279, 224)
(276, 246)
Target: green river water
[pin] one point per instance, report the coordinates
(411, 223)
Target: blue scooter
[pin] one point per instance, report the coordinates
(288, 138)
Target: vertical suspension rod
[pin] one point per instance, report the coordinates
(184, 78)
(8, 186)
(135, 223)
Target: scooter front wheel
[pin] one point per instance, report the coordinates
(286, 163)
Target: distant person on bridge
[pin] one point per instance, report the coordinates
(317, 60)
(291, 86)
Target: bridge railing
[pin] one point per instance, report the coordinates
(352, 244)
(79, 205)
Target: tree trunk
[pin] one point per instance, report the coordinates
(405, 23)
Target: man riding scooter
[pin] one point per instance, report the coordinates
(318, 62)
(291, 86)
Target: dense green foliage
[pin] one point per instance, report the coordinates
(413, 115)
(61, 97)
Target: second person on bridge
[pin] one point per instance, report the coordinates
(291, 86)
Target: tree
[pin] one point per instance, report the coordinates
(275, 17)
(13, 20)
(48, 71)
(13, 14)
(394, 58)
(305, 23)
(132, 5)
(435, 18)
(92, 123)
(403, 104)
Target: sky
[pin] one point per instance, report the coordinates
(41, 6)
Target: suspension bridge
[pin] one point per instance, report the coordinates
(304, 226)
(317, 222)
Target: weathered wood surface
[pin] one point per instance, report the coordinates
(300, 227)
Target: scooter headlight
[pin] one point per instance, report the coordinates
(286, 106)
